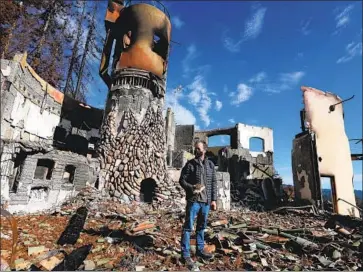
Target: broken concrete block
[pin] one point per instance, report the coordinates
(36, 250)
(139, 268)
(102, 261)
(109, 265)
(219, 222)
(97, 249)
(21, 264)
(50, 263)
(89, 265)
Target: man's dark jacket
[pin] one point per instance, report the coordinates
(191, 175)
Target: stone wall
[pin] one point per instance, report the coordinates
(180, 158)
(28, 111)
(240, 164)
(133, 144)
(31, 110)
(246, 132)
(224, 191)
(170, 135)
(184, 137)
(32, 193)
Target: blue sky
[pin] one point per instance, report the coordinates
(245, 62)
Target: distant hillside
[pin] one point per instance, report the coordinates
(327, 194)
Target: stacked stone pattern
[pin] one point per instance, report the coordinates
(133, 151)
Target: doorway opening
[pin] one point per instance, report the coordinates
(328, 192)
(147, 190)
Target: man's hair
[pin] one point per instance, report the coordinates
(205, 145)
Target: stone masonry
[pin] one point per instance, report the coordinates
(35, 175)
(32, 193)
(133, 147)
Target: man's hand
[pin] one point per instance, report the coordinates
(213, 205)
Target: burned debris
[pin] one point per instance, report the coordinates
(142, 238)
(75, 226)
(102, 185)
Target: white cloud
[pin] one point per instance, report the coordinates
(199, 97)
(243, 93)
(291, 78)
(183, 116)
(258, 78)
(342, 19)
(218, 105)
(253, 25)
(352, 50)
(177, 22)
(253, 28)
(191, 54)
(305, 27)
(232, 121)
(285, 81)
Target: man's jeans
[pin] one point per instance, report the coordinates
(192, 210)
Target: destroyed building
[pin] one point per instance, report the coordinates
(238, 168)
(53, 145)
(322, 150)
(47, 139)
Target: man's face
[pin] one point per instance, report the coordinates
(199, 150)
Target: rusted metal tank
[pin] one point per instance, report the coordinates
(141, 33)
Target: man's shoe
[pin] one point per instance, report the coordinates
(188, 262)
(203, 255)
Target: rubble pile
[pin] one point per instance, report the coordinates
(250, 195)
(117, 236)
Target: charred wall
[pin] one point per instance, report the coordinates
(184, 137)
(31, 112)
(305, 169)
(48, 179)
(133, 144)
(79, 127)
(324, 118)
(30, 108)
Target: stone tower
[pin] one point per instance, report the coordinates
(133, 143)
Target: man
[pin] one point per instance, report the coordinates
(198, 179)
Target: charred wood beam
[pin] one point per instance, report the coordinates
(74, 260)
(72, 232)
(263, 171)
(332, 107)
(357, 157)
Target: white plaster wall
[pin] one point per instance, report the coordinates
(245, 132)
(55, 196)
(6, 165)
(5, 189)
(332, 144)
(35, 122)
